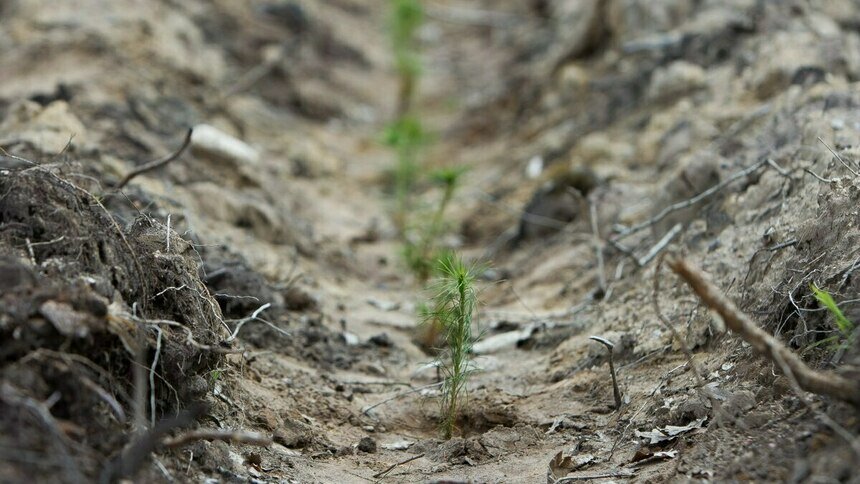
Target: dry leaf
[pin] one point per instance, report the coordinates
(670, 432)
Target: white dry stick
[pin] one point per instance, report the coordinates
(171, 288)
(846, 165)
(252, 317)
(152, 377)
(30, 251)
(167, 234)
(660, 245)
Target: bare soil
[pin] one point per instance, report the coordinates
(131, 316)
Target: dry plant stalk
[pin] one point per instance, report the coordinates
(822, 383)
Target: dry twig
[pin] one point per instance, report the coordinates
(152, 377)
(135, 453)
(255, 317)
(152, 165)
(829, 384)
(626, 231)
(392, 466)
(818, 177)
(660, 245)
(844, 163)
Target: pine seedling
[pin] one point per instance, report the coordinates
(454, 306)
(448, 179)
(405, 18)
(405, 136)
(421, 256)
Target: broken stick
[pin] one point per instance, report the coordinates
(390, 468)
(149, 166)
(822, 383)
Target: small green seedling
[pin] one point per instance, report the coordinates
(454, 306)
(405, 18)
(843, 324)
(405, 136)
(421, 256)
(215, 375)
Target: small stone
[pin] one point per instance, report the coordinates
(534, 167)
(213, 142)
(398, 445)
(367, 445)
(350, 339)
(382, 340)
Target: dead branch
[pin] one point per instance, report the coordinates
(838, 429)
(392, 466)
(152, 165)
(233, 436)
(818, 177)
(255, 317)
(625, 231)
(822, 383)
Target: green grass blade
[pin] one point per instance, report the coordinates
(845, 326)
